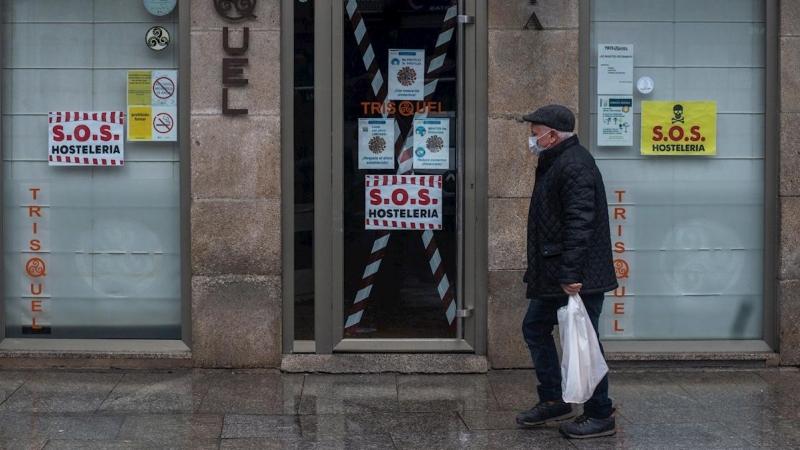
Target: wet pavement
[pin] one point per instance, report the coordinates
(657, 409)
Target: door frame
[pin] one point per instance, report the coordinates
(328, 147)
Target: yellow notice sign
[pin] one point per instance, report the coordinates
(139, 123)
(139, 87)
(679, 128)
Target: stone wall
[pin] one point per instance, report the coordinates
(236, 194)
(789, 272)
(528, 69)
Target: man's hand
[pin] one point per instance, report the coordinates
(572, 289)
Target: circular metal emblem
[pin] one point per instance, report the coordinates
(157, 38)
(159, 7)
(235, 10)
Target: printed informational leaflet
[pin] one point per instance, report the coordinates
(86, 138)
(152, 105)
(615, 121)
(406, 75)
(615, 69)
(376, 143)
(432, 144)
(403, 202)
(679, 128)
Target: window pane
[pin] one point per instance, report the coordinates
(689, 231)
(90, 251)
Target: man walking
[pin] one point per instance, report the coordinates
(569, 252)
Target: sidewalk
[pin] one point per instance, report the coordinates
(658, 409)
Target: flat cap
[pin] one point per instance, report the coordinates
(556, 117)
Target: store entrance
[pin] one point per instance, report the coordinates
(397, 180)
(400, 252)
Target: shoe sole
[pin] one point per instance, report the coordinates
(588, 436)
(553, 419)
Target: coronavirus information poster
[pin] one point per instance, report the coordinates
(432, 144)
(406, 75)
(615, 121)
(376, 144)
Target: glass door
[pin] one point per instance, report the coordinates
(397, 197)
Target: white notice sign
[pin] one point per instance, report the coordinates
(403, 202)
(615, 69)
(164, 88)
(376, 143)
(406, 75)
(615, 121)
(86, 138)
(432, 144)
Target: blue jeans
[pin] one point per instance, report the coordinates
(538, 331)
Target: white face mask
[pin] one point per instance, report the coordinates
(533, 143)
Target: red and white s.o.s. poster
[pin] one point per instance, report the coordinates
(403, 202)
(86, 138)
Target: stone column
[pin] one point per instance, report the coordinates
(789, 273)
(236, 196)
(528, 69)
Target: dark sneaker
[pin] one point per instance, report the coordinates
(545, 412)
(585, 427)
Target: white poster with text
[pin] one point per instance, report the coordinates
(432, 144)
(615, 69)
(403, 202)
(615, 121)
(376, 143)
(406, 75)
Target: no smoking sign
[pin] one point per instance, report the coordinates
(164, 119)
(163, 123)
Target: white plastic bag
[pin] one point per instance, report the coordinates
(582, 363)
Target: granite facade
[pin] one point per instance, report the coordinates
(236, 193)
(789, 189)
(528, 69)
(236, 255)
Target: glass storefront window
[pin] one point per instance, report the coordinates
(688, 230)
(90, 251)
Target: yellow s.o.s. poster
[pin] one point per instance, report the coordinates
(679, 128)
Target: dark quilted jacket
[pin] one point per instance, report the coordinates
(568, 236)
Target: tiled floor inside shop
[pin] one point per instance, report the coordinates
(657, 409)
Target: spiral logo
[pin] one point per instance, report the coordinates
(703, 257)
(406, 108)
(157, 38)
(35, 267)
(621, 268)
(120, 258)
(235, 10)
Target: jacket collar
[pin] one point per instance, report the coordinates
(547, 157)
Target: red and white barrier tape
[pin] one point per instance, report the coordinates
(87, 161)
(443, 286)
(112, 117)
(404, 157)
(379, 88)
(365, 287)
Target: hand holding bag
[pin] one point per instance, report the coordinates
(582, 363)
